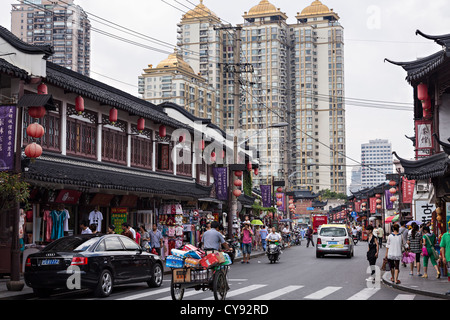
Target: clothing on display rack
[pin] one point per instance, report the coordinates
(58, 218)
(47, 226)
(96, 217)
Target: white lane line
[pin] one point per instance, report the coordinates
(277, 293)
(323, 293)
(405, 297)
(364, 294)
(237, 292)
(145, 294)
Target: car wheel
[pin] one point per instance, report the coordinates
(105, 284)
(157, 276)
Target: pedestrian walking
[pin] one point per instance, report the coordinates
(394, 247)
(380, 235)
(247, 234)
(445, 251)
(156, 239)
(126, 231)
(428, 243)
(372, 251)
(404, 233)
(257, 238)
(263, 234)
(415, 246)
(145, 238)
(309, 236)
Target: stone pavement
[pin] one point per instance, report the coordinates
(429, 287)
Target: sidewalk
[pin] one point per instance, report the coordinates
(27, 292)
(431, 286)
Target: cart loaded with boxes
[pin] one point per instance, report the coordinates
(194, 269)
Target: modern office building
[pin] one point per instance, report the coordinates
(377, 161)
(266, 72)
(61, 24)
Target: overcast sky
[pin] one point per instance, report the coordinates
(374, 30)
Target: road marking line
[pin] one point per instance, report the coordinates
(405, 297)
(323, 293)
(241, 291)
(364, 294)
(186, 294)
(277, 293)
(145, 294)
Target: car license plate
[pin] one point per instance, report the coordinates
(332, 242)
(49, 262)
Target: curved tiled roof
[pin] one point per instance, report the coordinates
(9, 37)
(8, 68)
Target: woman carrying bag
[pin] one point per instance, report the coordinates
(429, 253)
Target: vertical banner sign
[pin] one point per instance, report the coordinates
(266, 195)
(387, 196)
(7, 137)
(373, 205)
(424, 138)
(221, 182)
(408, 190)
(447, 207)
(358, 206)
(424, 211)
(282, 208)
(119, 216)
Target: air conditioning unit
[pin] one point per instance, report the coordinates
(422, 187)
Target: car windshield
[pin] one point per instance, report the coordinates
(333, 232)
(70, 244)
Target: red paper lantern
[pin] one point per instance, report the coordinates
(35, 130)
(238, 183)
(379, 206)
(393, 199)
(379, 201)
(237, 193)
(162, 131)
(42, 89)
(426, 104)
(79, 104)
(141, 124)
(291, 201)
(238, 173)
(279, 196)
(280, 189)
(393, 190)
(113, 115)
(37, 112)
(422, 92)
(378, 195)
(427, 114)
(279, 203)
(33, 151)
(392, 183)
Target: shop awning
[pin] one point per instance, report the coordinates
(104, 177)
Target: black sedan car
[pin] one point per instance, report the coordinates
(91, 261)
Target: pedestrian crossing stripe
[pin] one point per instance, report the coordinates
(363, 294)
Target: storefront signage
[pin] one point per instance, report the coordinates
(7, 137)
(221, 182)
(447, 206)
(266, 195)
(68, 197)
(424, 211)
(424, 138)
(118, 217)
(408, 190)
(373, 205)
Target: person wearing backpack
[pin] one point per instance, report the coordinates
(428, 242)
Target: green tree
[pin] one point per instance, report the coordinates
(13, 190)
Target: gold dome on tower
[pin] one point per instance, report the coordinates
(264, 9)
(200, 11)
(175, 61)
(315, 8)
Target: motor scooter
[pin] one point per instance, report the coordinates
(273, 250)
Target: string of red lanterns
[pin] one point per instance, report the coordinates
(35, 130)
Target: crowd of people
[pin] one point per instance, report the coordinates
(415, 245)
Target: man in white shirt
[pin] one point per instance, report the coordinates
(85, 228)
(273, 236)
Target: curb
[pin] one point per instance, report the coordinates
(389, 283)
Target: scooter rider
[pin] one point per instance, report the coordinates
(273, 236)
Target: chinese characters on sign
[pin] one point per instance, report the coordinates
(7, 137)
(424, 211)
(408, 190)
(266, 195)
(221, 182)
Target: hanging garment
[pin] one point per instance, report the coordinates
(96, 217)
(48, 222)
(58, 218)
(66, 220)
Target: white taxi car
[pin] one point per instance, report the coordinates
(334, 239)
